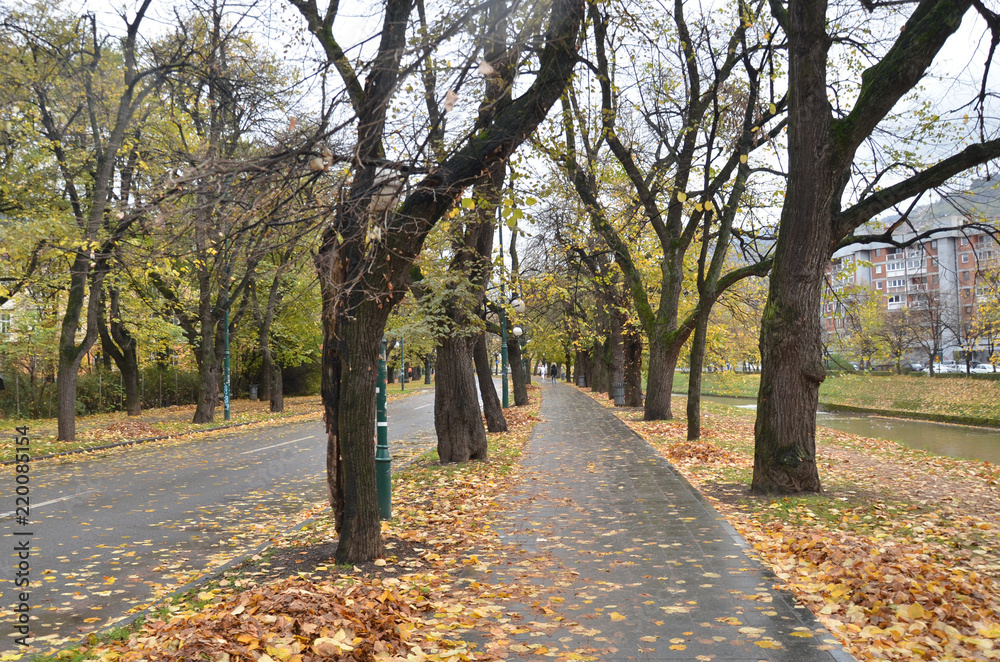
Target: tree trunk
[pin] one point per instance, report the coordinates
(698, 344)
(427, 369)
(601, 367)
(662, 363)
(791, 334)
(616, 371)
(458, 420)
(208, 389)
(277, 392)
(119, 345)
(632, 341)
(582, 367)
(516, 371)
(266, 366)
(492, 407)
(70, 354)
(360, 531)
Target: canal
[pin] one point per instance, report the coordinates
(952, 440)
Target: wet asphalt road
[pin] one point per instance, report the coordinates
(114, 532)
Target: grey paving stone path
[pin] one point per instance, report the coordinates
(640, 566)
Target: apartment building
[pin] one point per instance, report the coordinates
(947, 271)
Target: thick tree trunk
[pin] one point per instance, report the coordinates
(698, 344)
(361, 531)
(208, 389)
(601, 367)
(427, 368)
(516, 371)
(458, 420)
(130, 382)
(277, 392)
(492, 407)
(582, 368)
(632, 341)
(662, 362)
(791, 334)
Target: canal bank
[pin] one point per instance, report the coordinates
(944, 399)
(958, 441)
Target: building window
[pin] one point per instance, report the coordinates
(965, 258)
(965, 241)
(877, 251)
(878, 268)
(4, 323)
(896, 282)
(878, 285)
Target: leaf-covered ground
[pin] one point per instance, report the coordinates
(899, 557)
(293, 604)
(103, 429)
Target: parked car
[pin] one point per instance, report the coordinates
(983, 369)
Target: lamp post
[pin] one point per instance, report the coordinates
(383, 462)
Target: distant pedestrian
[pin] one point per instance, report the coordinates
(541, 371)
(554, 372)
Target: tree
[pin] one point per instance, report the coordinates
(86, 89)
(685, 154)
(895, 334)
(823, 146)
(364, 259)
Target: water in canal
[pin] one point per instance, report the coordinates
(951, 440)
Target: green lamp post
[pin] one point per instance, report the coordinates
(383, 463)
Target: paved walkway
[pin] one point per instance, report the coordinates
(640, 566)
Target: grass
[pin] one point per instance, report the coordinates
(964, 399)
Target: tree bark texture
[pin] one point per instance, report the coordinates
(632, 341)
(516, 371)
(698, 344)
(791, 335)
(662, 363)
(277, 392)
(71, 354)
(119, 344)
(492, 407)
(458, 420)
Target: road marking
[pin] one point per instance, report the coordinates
(46, 503)
(422, 406)
(284, 443)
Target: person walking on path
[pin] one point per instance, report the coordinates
(640, 566)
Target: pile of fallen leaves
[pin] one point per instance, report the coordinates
(697, 452)
(288, 621)
(122, 431)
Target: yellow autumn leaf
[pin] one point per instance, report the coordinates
(615, 616)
